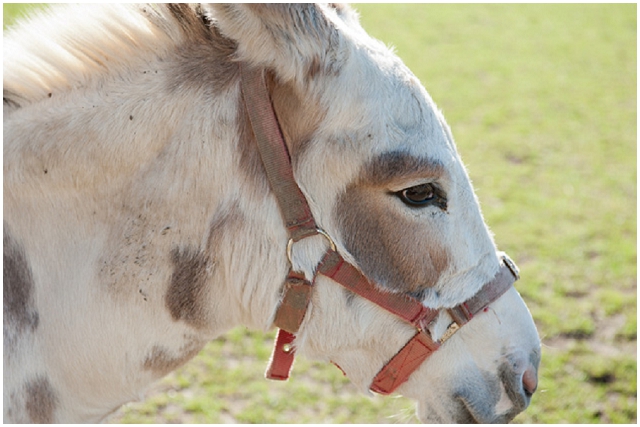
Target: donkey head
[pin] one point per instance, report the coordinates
(378, 165)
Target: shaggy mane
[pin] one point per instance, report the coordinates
(65, 47)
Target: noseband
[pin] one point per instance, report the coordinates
(300, 224)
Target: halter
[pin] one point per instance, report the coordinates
(297, 289)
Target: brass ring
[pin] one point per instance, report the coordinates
(319, 231)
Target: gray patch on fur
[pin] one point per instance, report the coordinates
(189, 288)
(19, 314)
(391, 249)
(348, 296)
(394, 164)
(205, 60)
(512, 383)
(161, 360)
(478, 395)
(41, 400)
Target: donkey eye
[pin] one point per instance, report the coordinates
(418, 195)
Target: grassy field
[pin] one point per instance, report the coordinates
(542, 103)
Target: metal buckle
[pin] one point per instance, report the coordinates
(511, 266)
(319, 231)
(451, 329)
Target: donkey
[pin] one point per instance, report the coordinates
(141, 220)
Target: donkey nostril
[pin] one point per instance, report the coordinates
(530, 380)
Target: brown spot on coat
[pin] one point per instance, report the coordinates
(390, 247)
(41, 400)
(187, 297)
(162, 360)
(187, 291)
(17, 289)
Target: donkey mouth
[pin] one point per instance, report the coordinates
(500, 402)
(469, 410)
(471, 414)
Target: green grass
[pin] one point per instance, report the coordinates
(13, 11)
(542, 103)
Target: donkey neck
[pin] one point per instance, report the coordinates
(171, 193)
(155, 159)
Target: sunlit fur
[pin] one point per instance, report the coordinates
(143, 226)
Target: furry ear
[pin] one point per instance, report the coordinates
(296, 41)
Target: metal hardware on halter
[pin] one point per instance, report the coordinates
(451, 329)
(320, 232)
(511, 266)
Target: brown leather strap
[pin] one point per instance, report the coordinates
(403, 306)
(275, 156)
(402, 365)
(297, 294)
(293, 206)
(282, 357)
(491, 291)
(504, 279)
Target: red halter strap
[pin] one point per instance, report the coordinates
(297, 289)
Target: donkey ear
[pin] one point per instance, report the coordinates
(297, 41)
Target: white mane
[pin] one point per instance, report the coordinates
(79, 44)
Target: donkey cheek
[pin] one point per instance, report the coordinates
(390, 249)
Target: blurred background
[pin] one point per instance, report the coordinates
(542, 103)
